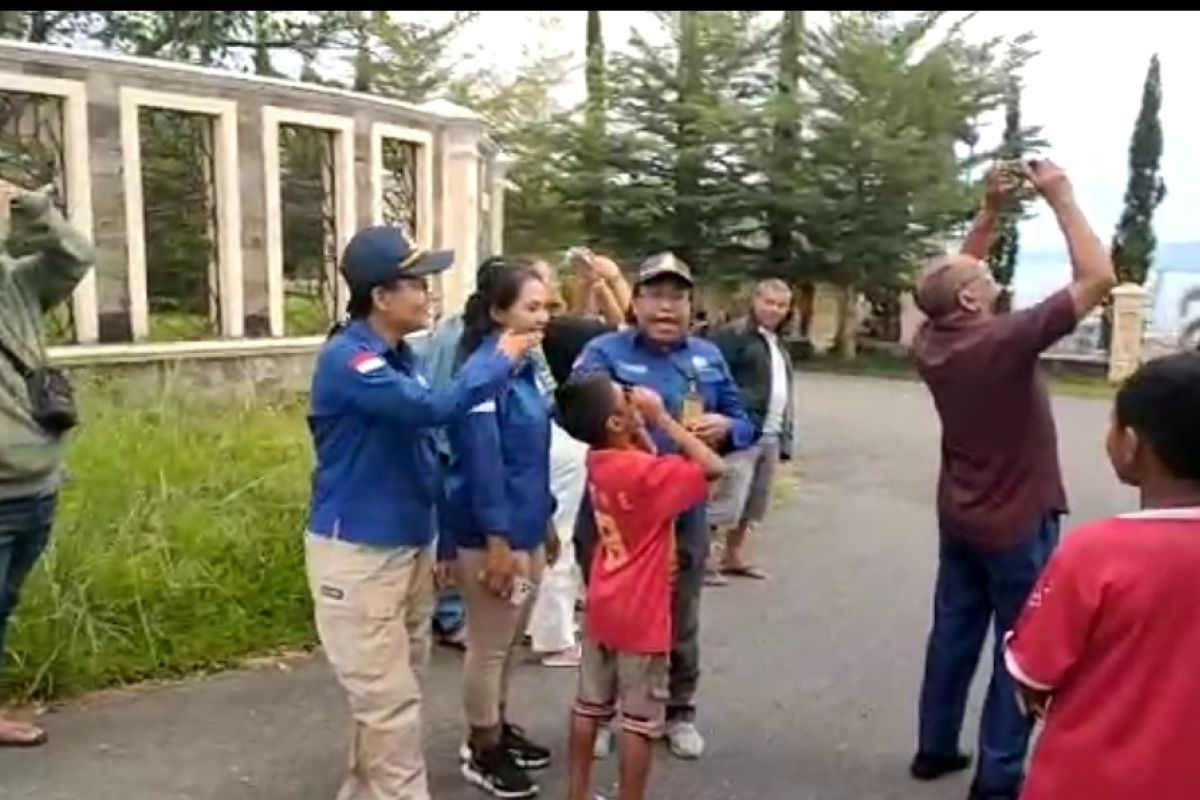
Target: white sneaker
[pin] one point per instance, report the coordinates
(604, 744)
(685, 740)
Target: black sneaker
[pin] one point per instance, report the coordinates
(494, 771)
(929, 767)
(525, 753)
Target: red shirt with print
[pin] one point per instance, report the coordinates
(1112, 631)
(636, 498)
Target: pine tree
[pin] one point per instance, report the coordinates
(1134, 242)
(592, 136)
(784, 159)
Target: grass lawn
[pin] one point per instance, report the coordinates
(178, 546)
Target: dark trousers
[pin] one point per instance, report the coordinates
(978, 588)
(691, 542)
(25, 525)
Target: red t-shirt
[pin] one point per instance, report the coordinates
(1112, 630)
(636, 497)
(1000, 472)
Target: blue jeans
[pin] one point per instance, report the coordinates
(978, 587)
(25, 525)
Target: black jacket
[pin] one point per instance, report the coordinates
(749, 359)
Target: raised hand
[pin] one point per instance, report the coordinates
(515, 345)
(1050, 180)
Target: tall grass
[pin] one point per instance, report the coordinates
(178, 545)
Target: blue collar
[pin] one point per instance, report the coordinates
(359, 329)
(640, 340)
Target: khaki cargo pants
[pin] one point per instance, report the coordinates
(373, 610)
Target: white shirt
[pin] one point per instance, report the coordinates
(777, 405)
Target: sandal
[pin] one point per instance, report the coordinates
(16, 734)
(744, 571)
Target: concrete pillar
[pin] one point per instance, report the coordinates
(501, 163)
(1128, 326)
(460, 209)
(823, 328)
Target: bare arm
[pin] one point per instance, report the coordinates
(691, 445)
(979, 239)
(1092, 273)
(607, 304)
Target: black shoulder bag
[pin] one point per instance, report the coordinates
(50, 394)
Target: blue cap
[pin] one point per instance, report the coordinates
(382, 253)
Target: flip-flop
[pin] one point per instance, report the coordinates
(37, 738)
(745, 571)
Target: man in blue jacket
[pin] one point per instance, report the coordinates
(371, 518)
(694, 382)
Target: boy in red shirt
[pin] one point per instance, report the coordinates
(1107, 648)
(636, 496)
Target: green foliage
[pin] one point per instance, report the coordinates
(892, 104)
(1134, 242)
(682, 119)
(179, 545)
(1017, 144)
(543, 209)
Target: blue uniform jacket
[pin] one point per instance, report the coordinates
(499, 478)
(632, 361)
(372, 418)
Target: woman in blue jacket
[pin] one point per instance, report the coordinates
(499, 510)
(371, 518)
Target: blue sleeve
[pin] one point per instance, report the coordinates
(483, 471)
(743, 432)
(372, 387)
(592, 359)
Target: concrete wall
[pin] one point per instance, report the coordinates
(106, 91)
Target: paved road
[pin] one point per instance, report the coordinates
(809, 683)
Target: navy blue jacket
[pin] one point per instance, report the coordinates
(632, 361)
(372, 418)
(499, 477)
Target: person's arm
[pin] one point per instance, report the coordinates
(999, 188)
(1052, 632)
(1092, 272)
(52, 273)
(607, 304)
(651, 408)
(612, 292)
(480, 455)
(983, 230)
(375, 389)
(742, 432)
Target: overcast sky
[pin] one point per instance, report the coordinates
(1084, 89)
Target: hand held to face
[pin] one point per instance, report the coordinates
(515, 345)
(648, 404)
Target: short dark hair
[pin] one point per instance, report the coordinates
(1161, 402)
(585, 403)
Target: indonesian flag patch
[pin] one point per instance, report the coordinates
(366, 363)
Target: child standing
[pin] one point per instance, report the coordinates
(636, 496)
(1107, 648)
